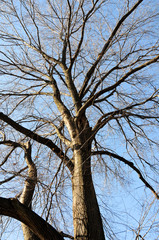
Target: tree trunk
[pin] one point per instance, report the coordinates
(28, 191)
(86, 215)
(28, 234)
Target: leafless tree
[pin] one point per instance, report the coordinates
(79, 106)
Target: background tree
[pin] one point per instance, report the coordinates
(79, 107)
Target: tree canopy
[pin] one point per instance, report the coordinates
(79, 97)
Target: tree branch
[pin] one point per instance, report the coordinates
(131, 165)
(114, 86)
(13, 208)
(105, 47)
(82, 33)
(45, 141)
(13, 176)
(123, 112)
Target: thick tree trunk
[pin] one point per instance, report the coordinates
(86, 215)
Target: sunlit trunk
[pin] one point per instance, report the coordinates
(86, 215)
(27, 194)
(28, 234)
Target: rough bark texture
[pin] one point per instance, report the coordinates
(86, 215)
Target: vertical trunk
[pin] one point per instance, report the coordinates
(86, 215)
(26, 199)
(27, 194)
(28, 234)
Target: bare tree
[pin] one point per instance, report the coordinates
(79, 99)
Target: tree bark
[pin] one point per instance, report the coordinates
(28, 190)
(28, 234)
(86, 214)
(13, 208)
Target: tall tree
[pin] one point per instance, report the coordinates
(79, 99)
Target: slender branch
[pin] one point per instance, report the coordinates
(131, 165)
(61, 136)
(82, 33)
(114, 86)
(57, 130)
(103, 120)
(16, 174)
(8, 155)
(106, 46)
(117, 66)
